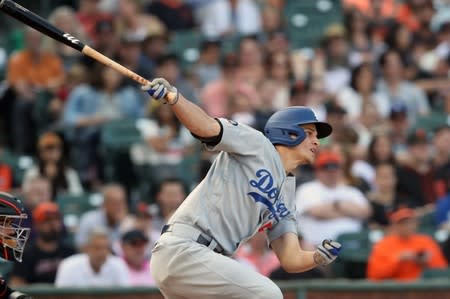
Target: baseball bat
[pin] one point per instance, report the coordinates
(40, 24)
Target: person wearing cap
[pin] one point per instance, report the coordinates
(43, 253)
(51, 163)
(326, 206)
(404, 254)
(416, 174)
(398, 127)
(135, 254)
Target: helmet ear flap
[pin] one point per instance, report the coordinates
(286, 136)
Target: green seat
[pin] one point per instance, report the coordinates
(74, 206)
(308, 20)
(186, 45)
(356, 248)
(436, 273)
(18, 163)
(115, 141)
(432, 121)
(5, 268)
(119, 135)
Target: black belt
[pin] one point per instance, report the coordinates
(184, 230)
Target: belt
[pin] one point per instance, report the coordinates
(187, 231)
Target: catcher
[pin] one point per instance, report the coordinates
(248, 189)
(12, 238)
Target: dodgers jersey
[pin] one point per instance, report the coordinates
(246, 190)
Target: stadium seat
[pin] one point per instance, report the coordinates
(186, 45)
(5, 268)
(115, 142)
(436, 273)
(73, 206)
(356, 248)
(18, 163)
(308, 20)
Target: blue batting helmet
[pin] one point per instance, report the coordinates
(283, 127)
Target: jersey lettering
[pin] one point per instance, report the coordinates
(268, 195)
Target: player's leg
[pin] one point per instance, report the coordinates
(186, 268)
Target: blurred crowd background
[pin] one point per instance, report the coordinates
(101, 167)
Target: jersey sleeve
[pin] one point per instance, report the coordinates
(239, 139)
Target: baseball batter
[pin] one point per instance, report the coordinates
(248, 189)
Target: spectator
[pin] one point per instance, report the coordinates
(133, 24)
(379, 151)
(97, 267)
(110, 215)
(53, 165)
(207, 68)
(89, 15)
(404, 254)
(327, 207)
(88, 108)
(134, 247)
(65, 18)
(165, 144)
(258, 255)
(360, 93)
(154, 46)
(336, 49)
(30, 71)
(223, 18)
(361, 48)
(441, 160)
(175, 14)
(43, 254)
(251, 68)
(168, 66)
(280, 71)
(384, 197)
(130, 54)
(35, 191)
(170, 194)
(398, 128)
(416, 174)
(393, 85)
(214, 96)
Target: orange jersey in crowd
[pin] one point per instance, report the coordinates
(38, 73)
(384, 261)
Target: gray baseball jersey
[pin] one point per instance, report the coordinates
(245, 190)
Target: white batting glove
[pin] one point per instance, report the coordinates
(159, 88)
(327, 252)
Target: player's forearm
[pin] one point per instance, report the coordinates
(195, 119)
(301, 262)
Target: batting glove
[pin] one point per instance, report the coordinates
(327, 252)
(159, 88)
(19, 295)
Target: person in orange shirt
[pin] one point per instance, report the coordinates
(30, 71)
(404, 254)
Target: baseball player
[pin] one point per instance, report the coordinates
(12, 238)
(248, 189)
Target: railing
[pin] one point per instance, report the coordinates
(314, 289)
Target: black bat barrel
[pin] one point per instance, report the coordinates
(40, 24)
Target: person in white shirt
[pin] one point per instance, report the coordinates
(225, 17)
(326, 207)
(97, 267)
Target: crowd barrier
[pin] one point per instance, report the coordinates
(315, 289)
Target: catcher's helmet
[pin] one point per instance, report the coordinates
(283, 127)
(12, 235)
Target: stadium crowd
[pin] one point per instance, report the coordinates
(101, 167)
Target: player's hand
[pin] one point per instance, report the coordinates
(19, 295)
(327, 252)
(161, 90)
